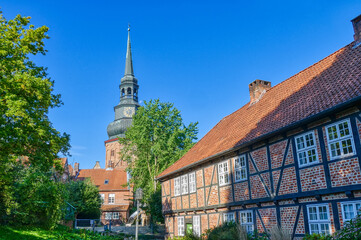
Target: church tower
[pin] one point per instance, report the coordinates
(124, 112)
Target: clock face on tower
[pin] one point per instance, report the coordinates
(128, 111)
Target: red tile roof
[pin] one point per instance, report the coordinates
(117, 179)
(334, 80)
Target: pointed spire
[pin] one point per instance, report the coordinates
(128, 60)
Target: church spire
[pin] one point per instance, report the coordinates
(128, 60)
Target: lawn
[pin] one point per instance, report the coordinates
(61, 233)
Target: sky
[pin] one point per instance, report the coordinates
(199, 55)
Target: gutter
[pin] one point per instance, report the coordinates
(306, 120)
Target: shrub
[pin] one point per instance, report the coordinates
(351, 230)
(316, 236)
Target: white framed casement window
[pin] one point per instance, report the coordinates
(108, 215)
(223, 173)
(319, 219)
(306, 149)
(177, 186)
(115, 215)
(197, 225)
(246, 220)
(350, 210)
(340, 139)
(240, 168)
(184, 184)
(180, 226)
(228, 217)
(111, 198)
(102, 197)
(192, 182)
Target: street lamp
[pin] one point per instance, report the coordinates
(138, 196)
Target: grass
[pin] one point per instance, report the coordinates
(61, 233)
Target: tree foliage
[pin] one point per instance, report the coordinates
(84, 196)
(156, 139)
(26, 95)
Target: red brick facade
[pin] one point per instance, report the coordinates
(277, 189)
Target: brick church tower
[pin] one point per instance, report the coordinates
(124, 112)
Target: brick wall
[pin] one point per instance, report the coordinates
(252, 193)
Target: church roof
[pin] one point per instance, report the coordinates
(105, 180)
(322, 87)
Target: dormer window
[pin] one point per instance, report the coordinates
(106, 181)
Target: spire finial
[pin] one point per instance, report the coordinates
(128, 60)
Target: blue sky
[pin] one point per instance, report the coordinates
(199, 55)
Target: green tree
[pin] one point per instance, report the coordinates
(156, 139)
(84, 196)
(26, 95)
(39, 199)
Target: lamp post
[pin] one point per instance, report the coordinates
(138, 196)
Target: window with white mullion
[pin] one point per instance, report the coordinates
(246, 220)
(192, 182)
(350, 210)
(240, 168)
(340, 139)
(228, 217)
(319, 219)
(180, 226)
(196, 226)
(306, 149)
(177, 186)
(111, 198)
(223, 172)
(184, 184)
(108, 215)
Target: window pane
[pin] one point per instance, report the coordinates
(311, 155)
(302, 158)
(347, 146)
(335, 149)
(309, 140)
(332, 132)
(312, 213)
(323, 213)
(344, 130)
(314, 228)
(325, 228)
(300, 143)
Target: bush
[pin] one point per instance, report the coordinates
(316, 236)
(351, 230)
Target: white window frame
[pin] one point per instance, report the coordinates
(229, 217)
(340, 139)
(184, 184)
(306, 149)
(102, 197)
(111, 198)
(223, 173)
(180, 222)
(197, 225)
(240, 168)
(353, 203)
(108, 215)
(192, 182)
(248, 225)
(177, 188)
(115, 215)
(319, 222)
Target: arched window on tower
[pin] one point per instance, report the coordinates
(135, 94)
(123, 92)
(129, 91)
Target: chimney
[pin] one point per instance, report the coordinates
(257, 89)
(76, 168)
(97, 165)
(356, 23)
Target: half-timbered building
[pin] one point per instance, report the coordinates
(290, 157)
